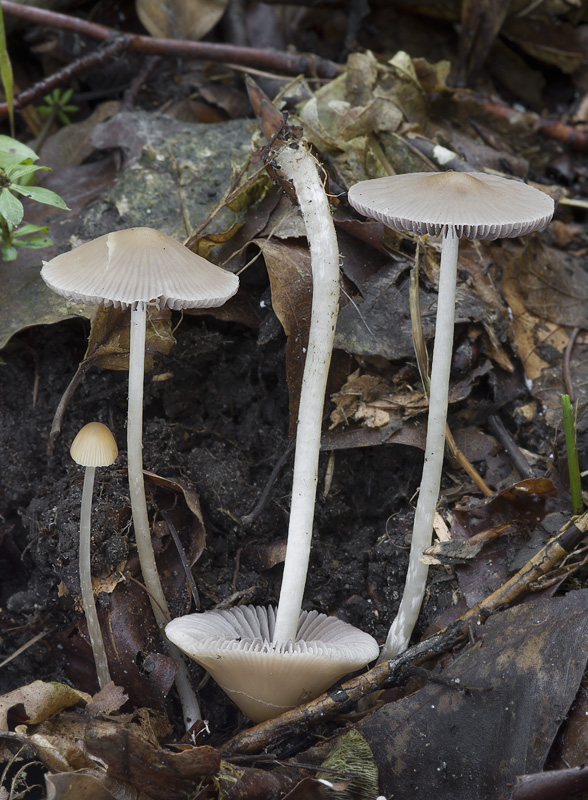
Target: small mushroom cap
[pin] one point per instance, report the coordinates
(474, 204)
(264, 679)
(138, 265)
(94, 446)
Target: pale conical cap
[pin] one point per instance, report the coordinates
(138, 265)
(264, 679)
(94, 446)
(474, 204)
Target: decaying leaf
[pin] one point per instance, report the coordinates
(552, 41)
(180, 19)
(39, 701)
(378, 324)
(353, 759)
(290, 277)
(481, 21)
(110, 698)
(156, 771)
(531, 333)
(553, 282)
(516, 684)
(108, 343)
(73, 786)
(522, 506)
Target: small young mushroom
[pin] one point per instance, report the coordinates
(94, 446)
(138, 268)
(264, 680)
(454, 204)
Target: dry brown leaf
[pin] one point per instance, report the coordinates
(546, 39)
(38, 701)
(288, 267)
(529, 331)
(108, 343)
(110, 698)
(522, 673)
(74, 786)
(481, 22)
(554, 283)
(180, 19)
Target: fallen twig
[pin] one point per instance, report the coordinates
(340, 699)
(576, 138)
(274, 60)
(64, 76)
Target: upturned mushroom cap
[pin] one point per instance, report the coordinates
(264, 679)
(94, 446)
(474, 204)
(138, 265)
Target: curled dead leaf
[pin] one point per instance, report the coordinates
(180, 19)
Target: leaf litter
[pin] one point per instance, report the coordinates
(517, 303)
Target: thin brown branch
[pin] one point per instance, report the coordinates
(574, 137)
(64, 75)
(273, 60)
(343, 697)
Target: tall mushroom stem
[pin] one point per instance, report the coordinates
(416, 578)
(88, 602)
(301, 168)
(190, 706)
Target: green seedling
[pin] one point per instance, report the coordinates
(57, 105)
(6, 73)
(17, 167)
(569, 420)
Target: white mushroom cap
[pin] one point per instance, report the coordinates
(94, 446)
(264, 679)
(474, 204)
(138, 265)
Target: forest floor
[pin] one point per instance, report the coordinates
(182, 152)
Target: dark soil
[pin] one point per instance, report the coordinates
(216, 417)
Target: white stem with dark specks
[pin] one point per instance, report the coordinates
(300, 167)
(190, 706)
(416, 577)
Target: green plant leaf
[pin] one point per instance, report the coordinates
(9, 253)
(41, 195)
(6, 72)
(26, 230)
(9, 161)
(10, 145)
(10, 207)
(33, 242)
(21, 171)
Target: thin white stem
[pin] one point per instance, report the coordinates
(188, 699)
(416, 577)
(301, 168)
(88, 602)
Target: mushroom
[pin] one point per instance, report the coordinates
(137, 268)
(264, 680)
(93, 446)
(269, 661)
(454, 204)
(300, 167)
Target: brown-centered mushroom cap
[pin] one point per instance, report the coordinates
(476, 205)
(138, 265)
(263, 679)
(94, 446)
